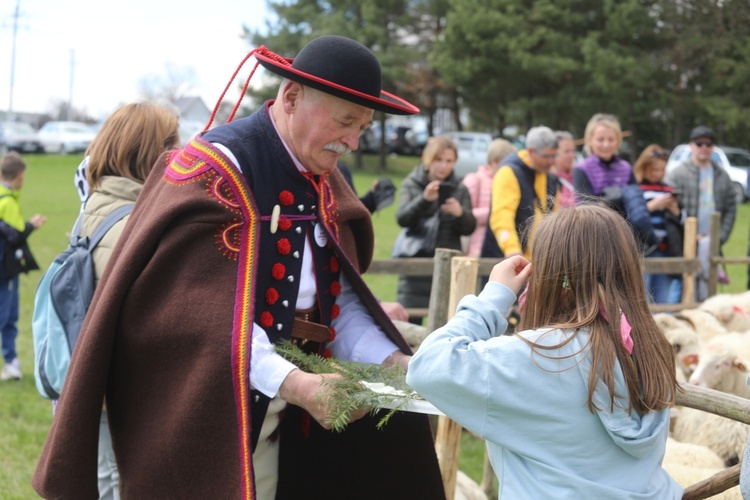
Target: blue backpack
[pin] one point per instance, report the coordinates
(60, 304)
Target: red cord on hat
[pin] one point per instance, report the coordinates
(260, 50)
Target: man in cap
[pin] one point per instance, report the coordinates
(246, 237)
(705, 188)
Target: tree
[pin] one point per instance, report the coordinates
(175, 82)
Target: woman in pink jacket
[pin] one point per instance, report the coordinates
(479, 184)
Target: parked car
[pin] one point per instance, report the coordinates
(66, 137)
(417, 140)
(736, 162)
(472, 150)
(370, 139)
(20, 137)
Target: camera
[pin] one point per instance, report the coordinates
(445, 191)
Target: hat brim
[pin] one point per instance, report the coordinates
(387, 102)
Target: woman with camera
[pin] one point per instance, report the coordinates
(435, 211)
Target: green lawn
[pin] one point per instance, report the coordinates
(25, 417)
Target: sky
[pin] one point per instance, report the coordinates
(116, 45)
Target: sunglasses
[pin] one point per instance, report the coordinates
(700, 144)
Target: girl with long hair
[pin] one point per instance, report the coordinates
(576, 403)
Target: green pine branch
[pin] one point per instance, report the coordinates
(347, 395)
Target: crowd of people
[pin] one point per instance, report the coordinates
(514, 190)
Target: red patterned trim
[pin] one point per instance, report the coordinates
(229, 189)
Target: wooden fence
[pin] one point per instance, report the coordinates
(688, 265)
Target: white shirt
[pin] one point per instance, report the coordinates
(358, 337)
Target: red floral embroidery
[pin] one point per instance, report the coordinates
(335, 311)
(334, 265)
(333, 334)
(283, 246)
(266, 319)
(335, 288)
(272, 296)
(286, 198)
(285, 224)
(327, 354)
(278, 271)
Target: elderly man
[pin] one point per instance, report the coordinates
(522, 190)
(246, 237)
(705, 188)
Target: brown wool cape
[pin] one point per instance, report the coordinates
(158, 343)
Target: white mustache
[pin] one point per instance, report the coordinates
(337, 148)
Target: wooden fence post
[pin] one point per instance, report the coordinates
(713, 267)
(448, 441)
(441, 286)
(689, 252)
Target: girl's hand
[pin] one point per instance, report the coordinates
(512, 272)
(430, 192)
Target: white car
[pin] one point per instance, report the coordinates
(735, 161)
(66, 137)
(20, 137)
(472, 151)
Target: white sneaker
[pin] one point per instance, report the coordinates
(11, 371)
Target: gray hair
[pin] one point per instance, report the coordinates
(562, 135)
(538, 138)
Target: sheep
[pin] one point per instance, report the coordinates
(690, 454)
(684, 340)
(722, 365)
(725, 437)
(690, 463)
(728, 310)
(703, 322)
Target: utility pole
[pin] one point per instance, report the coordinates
(9, 116)
(69, 113)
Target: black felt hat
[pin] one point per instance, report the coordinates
(338, 66)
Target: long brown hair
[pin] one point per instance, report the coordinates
(586, 256)
(648, 157)
(130, 141)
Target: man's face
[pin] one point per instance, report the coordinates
(542, 160)
(702, 147)
(322, 128)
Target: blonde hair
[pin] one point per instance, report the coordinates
(648, 157)
(586, 257)
(435, 146)
(130, 141)
(499, 149)
(609, 121)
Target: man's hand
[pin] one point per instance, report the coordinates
(394, 310)
(301, 389)
(398, 358)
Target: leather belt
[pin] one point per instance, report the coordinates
(307, 328)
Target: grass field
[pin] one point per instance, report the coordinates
(25, 417)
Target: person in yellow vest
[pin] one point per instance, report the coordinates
(522, 191)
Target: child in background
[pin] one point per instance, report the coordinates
(15, 256)
(479, 184)
(576, 404)
(665, 215)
